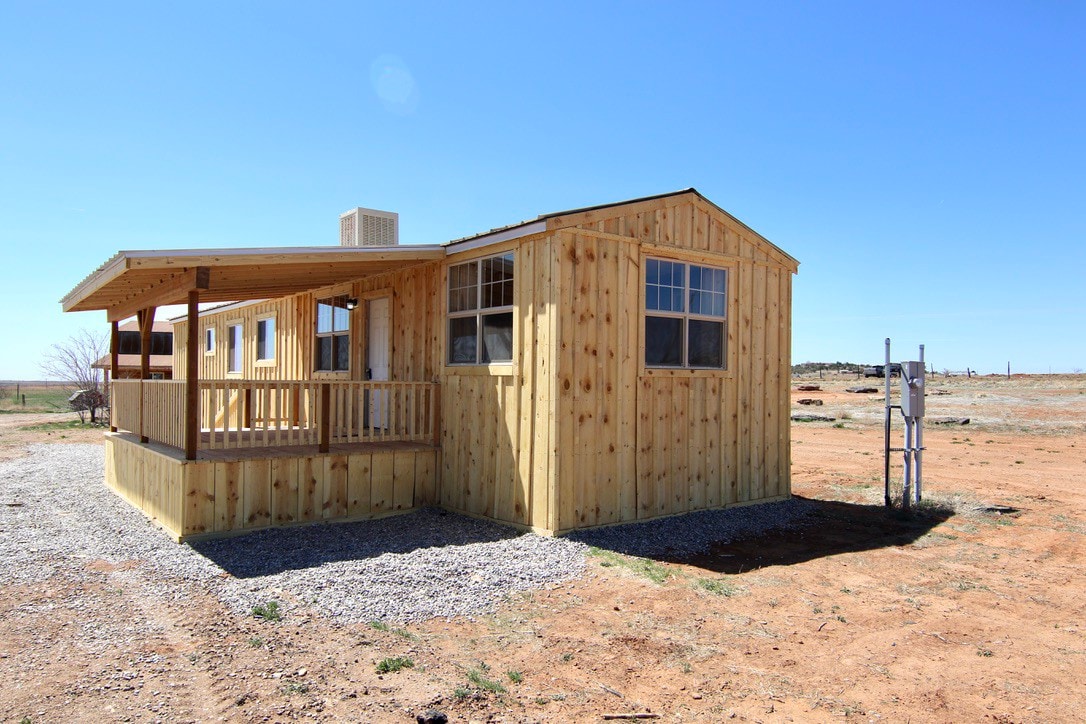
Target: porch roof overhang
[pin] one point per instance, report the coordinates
(134, 280)
(158, 362)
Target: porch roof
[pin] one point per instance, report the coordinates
(158, 362)
(134, 280)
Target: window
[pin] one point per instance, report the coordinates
(129, 343)
(481, 311)
(265, 339)
(685, 314)
(233, 348)
(333, 352)
(161, 342)
(209, 340)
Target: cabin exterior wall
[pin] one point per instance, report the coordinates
(637, 442)
(496, 424)
(576, 430)
(193, 498)
(414, 345)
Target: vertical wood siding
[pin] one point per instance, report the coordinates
(148, 480)
(575, 432)
(496, 441)
(212, 496)
(414, 346)
(635, 443)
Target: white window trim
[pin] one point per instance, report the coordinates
(267, 361)
(240, 324)
(317, 336)
(725, 321)
(479, 312)
(210, 349)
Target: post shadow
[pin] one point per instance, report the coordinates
(831, 528)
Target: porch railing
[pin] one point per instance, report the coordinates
(153, 409)
(273, 413)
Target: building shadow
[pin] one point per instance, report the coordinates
(731, 541)
(275, 550)
(830, 528)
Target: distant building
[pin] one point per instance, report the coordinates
(128, 348)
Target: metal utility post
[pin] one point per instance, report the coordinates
(919, 432)
(886, 453)
(912, 409)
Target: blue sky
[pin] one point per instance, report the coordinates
(926, 163)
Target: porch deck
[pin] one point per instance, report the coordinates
(251, 447)
(247, 488)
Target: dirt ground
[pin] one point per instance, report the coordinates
(15, 435)
(971, 610)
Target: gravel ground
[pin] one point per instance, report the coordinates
(56, 514)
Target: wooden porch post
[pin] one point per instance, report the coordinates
(146, 318)
(192, 377)
(324, 433)
(114, 343)
(435, 414)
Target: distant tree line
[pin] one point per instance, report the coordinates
(806, 367)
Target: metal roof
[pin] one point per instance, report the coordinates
(544, 217)
(539, 224)
(134, 279)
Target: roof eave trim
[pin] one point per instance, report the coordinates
(226, 307)
(95, 281)
(785, 254)
(123, 260)
(405, 249)
(526, 229)
(627, 202)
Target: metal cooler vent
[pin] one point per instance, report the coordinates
(369, 227)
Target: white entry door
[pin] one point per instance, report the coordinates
(378, 326)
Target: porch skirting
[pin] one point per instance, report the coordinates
(240, 490)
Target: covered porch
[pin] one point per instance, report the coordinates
(245, 416)
(242, 489)
(214, 455)
(273, 453)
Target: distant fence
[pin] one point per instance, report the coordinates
(43, 395)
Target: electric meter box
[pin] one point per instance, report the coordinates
(912, 389)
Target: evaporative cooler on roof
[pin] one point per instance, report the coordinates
(369, 227)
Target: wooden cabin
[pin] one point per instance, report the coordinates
(596, 366)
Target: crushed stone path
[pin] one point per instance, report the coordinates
(424, 564)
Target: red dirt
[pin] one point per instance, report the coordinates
(14, 437)
(971, 611)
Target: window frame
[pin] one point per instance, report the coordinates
(262, 321)
(230, 348)
(478, 312)
(125, 344)
(161, 343)
(332, 334)
(686, 316)
(209, 340)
